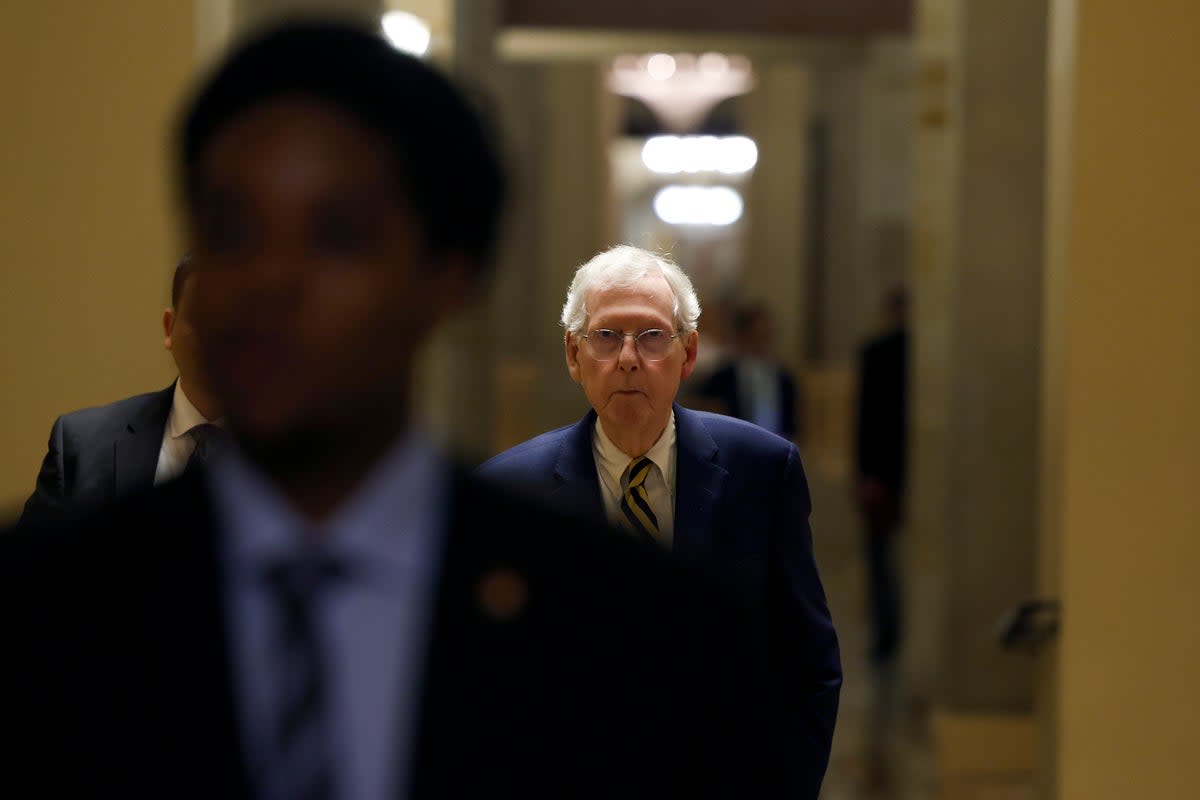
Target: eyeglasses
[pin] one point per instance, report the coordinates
(605, 345)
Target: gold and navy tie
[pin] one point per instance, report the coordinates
(636, 514)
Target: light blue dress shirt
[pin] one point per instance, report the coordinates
(373, 624)
(758, 383)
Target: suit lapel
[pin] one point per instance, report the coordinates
(699, 481)
(135, 452)
(575, 470)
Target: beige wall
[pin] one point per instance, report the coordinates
(1123, 442)
(87, 239)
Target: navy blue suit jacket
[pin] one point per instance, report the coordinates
(96, 456)
(741, 510)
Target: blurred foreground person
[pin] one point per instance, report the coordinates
(715, 491)
(332, 608)
(97, 455)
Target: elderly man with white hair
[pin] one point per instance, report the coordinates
(718, 492)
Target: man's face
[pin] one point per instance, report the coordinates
(313, 290)
(628, 392)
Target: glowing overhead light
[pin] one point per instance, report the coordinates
(713, 64)
(698, 205)
(738, 154)
(680, 88)
(731, 155)
(660, 66)
(406, 32)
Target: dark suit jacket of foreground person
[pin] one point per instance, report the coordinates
(96, 455)
(613, 672)
(742, 506)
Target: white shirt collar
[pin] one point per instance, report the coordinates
(183, 416)
(613, 460)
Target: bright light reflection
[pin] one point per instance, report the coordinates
(406, 32)
(698, 205)
(714, 64)
(731, 155)
(660, 66)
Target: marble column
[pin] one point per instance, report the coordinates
(977, 319)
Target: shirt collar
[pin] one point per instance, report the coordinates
(388, 523)
(184, 416)
(613, 460)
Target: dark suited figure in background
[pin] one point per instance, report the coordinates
(97, 455)
(714, 490)
(752, 385)
(333, 606)
(881, 460)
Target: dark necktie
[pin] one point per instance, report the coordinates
(302, 761)
(207, 437)
(636, 514)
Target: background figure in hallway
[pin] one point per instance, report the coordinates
(752, 384)
(97, 455)
(711, 489)
(879, 481)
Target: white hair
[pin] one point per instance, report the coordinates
(625, 265)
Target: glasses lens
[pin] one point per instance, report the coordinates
(604, 344)
(653, 344)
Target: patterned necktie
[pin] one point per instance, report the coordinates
(302, 759)
(636, 514)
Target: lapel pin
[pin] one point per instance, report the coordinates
(503, 594)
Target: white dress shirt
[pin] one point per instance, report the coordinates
(611, 462)
(373, 624)
(177, 446)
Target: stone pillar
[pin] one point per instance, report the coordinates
(777, 116)
(556, 121)
(976, 323)
(994, 351)
(456, 383)
(573, 215)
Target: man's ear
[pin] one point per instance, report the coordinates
(571, 350)
(168, 323)
(690, 347)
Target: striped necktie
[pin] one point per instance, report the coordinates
(302, 763)
(636, 514)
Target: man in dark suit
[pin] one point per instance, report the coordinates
(880, 469)
(751, 384)
(97, 455)
(881, 465)
(330, 607)
(718, 492)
